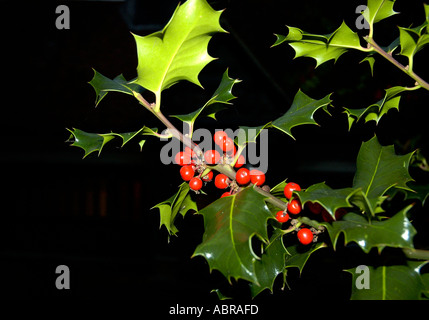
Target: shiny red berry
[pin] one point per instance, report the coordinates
(219, 137)
(212, 156)
(242, 176)
(208, 176)
(225, 194)
(182, 158)
(314, 207)
(282, 216)
(257, 177)
(240, 161)
(187, 172)
(221, 181)
(294, 206)
(305, 236)
(290, 188)
(227, 145)
(195, 183)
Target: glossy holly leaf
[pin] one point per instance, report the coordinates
(249, 134)
(102, 85)
(397, 231)
(328, 198)
(322, 48)
(271, 264)
(376, 111)
(419, 192)
(412, 42)
(92, 142)
(216, 103)
(378, 10)
(298, 255)
(181, 202)
(378, 170)
(229, 226)
(390, 282)
(300, 112)
(89, 142)
(179, 51)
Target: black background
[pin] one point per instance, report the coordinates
(93, 214)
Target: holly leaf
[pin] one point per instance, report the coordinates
(297, 258)
(230, 224)
(92, 142)
(376, 111)
(271, 264)
(301, 112)
(390, 282)
(179, 51)
(89, 142)
(328, 198)
(378, 170)
(378, 10)
(397, 231)
(216, 103)
(102, 85)
(322, 48)
(181, 202)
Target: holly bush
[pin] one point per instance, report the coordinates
(257, 233)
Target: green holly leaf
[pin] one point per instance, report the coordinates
(89, 142)
(181, 202)
(378, 10)
(411, 43)
(378, 170)
(216, 103)
(322, 48)
(102, 85)
(390, 282)
(397, 231)
(179, 51)
(229, 226)
(271, 264)
(301, 112)
(92, 142)
(249, 134)
(376, 111)
(297, 258)
(328, 198)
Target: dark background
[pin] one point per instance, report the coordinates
(93, 214)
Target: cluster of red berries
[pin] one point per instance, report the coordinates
(194, 168)
(305, 235)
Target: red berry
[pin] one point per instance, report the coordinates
(257, 177)
(242, 176)
(182, 158)
(212, 156)
(225, 194)
(326, 216)
(294, 206)
(282, 216)
(219, 137)
(339, 213)
(314, 207)
(187, 172)
(290, 188)
(240, 161)
(305, 236)
(208, 176)
(195, 183)
(227, 145)
(232, 152)
(190, 152)
(221, 181)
